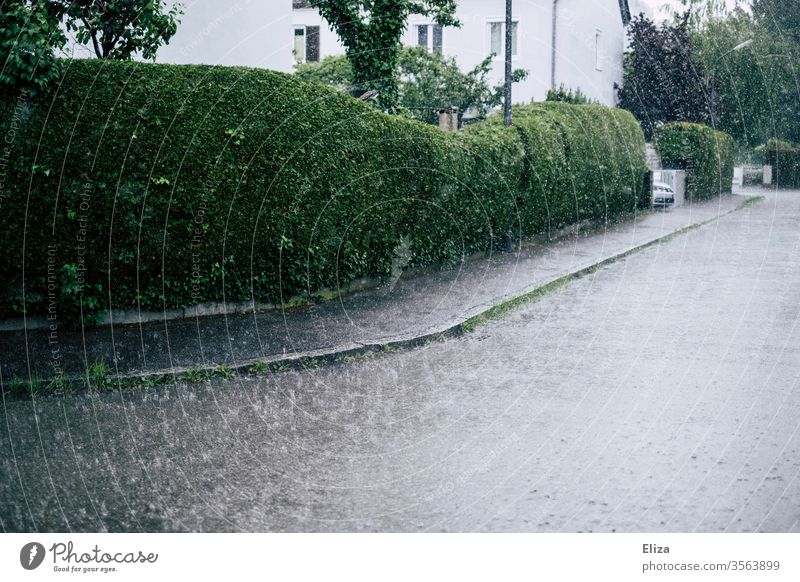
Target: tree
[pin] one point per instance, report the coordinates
(429, 82)
(29, 36)
(758, 94)
(117, 29)
(371, 32)
(781, 17)
(334, 70)
(662, 81)
(426, 81)
(567, 95)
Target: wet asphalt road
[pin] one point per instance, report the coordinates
(661, 393)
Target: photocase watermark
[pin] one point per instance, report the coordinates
(211, 28)
(7, 146)
(81, 237)
(31, 555)
(197, 239)
(52, 310)
(198, 232)
(67, 559)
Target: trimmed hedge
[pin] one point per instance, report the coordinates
(706, 154)
(785, 161)
(156, 186)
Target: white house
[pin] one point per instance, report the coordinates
(251, 33)
(577, 43)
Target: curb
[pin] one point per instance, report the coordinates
(354, 351)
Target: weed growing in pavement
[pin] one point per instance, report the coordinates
(59, 385)
(96, 377)
(503, 308)
(752, 201)
(259, 368)
(224, 371)
(15, 386)
(309, 363)
(196, 374)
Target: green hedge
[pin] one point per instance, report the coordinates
(706, 154)
(155, 186)
(785, 161)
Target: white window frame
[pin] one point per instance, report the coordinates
(305, 40)
(415, 36)
(488, 38)
(598, 49)
(304, 28)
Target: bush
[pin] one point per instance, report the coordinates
(157, 186)
(30, 32)
(567, 95)
(785, 161)
(427, 83)
(707, 156)
(584, 162)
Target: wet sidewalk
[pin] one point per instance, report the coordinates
(410, 310)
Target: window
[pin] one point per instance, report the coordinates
(300, 45)
(598, 49)
(430, 37)
(497, 39)
(306, 44)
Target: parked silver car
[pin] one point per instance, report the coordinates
(663, 194)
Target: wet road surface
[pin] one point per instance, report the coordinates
(661, 393)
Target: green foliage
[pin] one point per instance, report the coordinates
(15, 387)
(371, 32)
(197, 374)
(96, 377)
(662, 81)
(706, 154)
(118, 29)
(29, 35)
(780, 17)
(586, 163)
(59, 384)
(757, 96)
(259, 368)
(79, 302)
(427, 82)
(567, 95)
(785, 161)
(333, 70)
(224, 371)
(152, 204)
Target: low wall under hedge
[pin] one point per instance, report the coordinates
(706, 154)
(155, 186)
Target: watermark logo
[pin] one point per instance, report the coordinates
(31, 555)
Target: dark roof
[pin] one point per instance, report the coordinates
(625, 11)
(300, 4)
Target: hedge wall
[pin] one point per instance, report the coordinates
(785, 161)
(155, 186)
(706, 154)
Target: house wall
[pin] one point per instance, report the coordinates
(328, 40)
(260, 33)
(470, 44)
(579, 21)
(252, 33)
(589, 47)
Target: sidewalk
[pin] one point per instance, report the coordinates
(410, 312)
